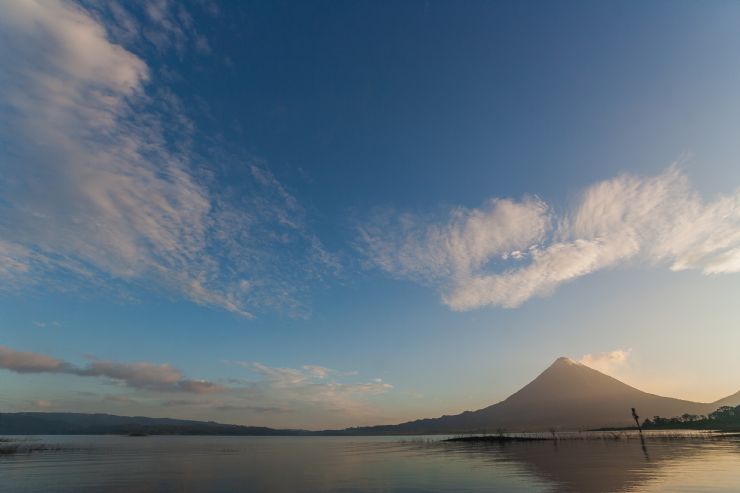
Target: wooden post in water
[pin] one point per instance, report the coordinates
(637, 420)
(639, 428)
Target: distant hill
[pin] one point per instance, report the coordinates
(108, 424)
(732, 401)
(566, 396)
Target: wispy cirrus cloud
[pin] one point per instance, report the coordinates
(311, 385)
(508, 251)
(320, 395)
(141, 376)
(100, 183)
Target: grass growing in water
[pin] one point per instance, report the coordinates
(12, 446)
(591, 436)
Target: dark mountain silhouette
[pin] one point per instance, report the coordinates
(107, 424)
(566, 396)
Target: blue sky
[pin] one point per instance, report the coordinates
(340, 213)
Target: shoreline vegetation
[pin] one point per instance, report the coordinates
(725, 418)
(602, 435)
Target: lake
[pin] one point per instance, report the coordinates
(354, 464)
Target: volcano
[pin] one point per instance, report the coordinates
(566, 396)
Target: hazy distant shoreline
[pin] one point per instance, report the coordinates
(39, 423)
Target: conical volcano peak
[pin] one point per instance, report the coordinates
(565, 361)
(567, 395)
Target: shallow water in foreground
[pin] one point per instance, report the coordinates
(323, 464)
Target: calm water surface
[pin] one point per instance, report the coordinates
(323, 464)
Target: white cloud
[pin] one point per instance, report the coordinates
(24, 362)
(607, 362)
(143, 376)
(308, 390)
(507, 252)
(410, 246)
(317, 371)
(281, 377)
(99, 181)
(308, 396)
(308, 384)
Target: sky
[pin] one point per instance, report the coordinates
(330, 214)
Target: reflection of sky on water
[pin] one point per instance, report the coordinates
(620, 465)
(275, 464)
